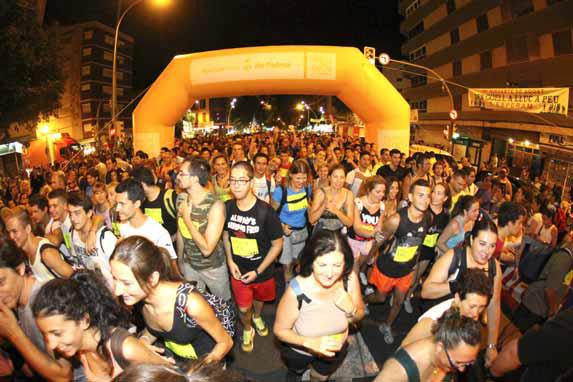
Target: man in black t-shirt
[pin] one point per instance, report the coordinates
(253, 240)
(393, 169)
(546, 353)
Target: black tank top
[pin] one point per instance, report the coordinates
(439, 223)
(367, 218)
(185, 330)
(408, 239)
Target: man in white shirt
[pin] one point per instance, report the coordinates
(130, 197)
(263, 186)
(355, 177)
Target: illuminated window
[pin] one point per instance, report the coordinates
(86, 87)
(88, 35)
(120, 92)
(106, 89)
(107, 72)
(86, 52)
(108, 56)
(86, 70)
(108, 39)
(86, 107)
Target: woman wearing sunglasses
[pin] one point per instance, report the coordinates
(453, 347)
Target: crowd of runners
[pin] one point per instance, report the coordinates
(130, 268)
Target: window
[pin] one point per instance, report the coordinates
(88, 129)
(412, 7)
(419, 28)
(457, 68)
(106, 72)
(119, 76)
(108, 39)
(86, 87)
(482, 23)
(455, 36)
(108, 56)
(562, 42)
(451, 6)
(422, 106)
(418, 54)
(517, 49)
(86, 52)
(120, 60)
(88, 35)
(106, 89)
(86, 107)
(86, 70)
(120, 92)
(521, 7)
(418, 81)
(485, 60)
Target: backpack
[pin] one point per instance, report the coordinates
(532, 264)
(223, 310)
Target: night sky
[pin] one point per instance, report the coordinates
(189, 26)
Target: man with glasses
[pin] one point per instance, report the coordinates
(453, 347)
(200, 225)
(253, 241)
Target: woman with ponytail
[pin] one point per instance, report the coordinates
(173, 310)
(80, 318)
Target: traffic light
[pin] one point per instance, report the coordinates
(370, 54)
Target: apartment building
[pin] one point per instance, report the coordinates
(490, 44)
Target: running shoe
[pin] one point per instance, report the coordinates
(248, 340)
(260, 326)
(387, 333)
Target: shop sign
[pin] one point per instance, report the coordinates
(554, 139)
(529, 100)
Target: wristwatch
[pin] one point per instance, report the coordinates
(492, 346)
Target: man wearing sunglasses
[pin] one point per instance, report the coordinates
(453, 347)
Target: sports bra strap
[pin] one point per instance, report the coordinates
(404, 359)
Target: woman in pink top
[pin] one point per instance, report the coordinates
(313, 315)
(79, 317)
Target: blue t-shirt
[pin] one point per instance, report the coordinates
(293, 212)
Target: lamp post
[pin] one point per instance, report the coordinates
(385, 59)
(231, 107)
(114, 64)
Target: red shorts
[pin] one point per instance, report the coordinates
(385, 284)
(245, 293)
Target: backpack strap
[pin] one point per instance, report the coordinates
(104, 230)
(168, 203)
(117, 339)
(283, 199)
(456, 261)
(269, 184)
(300, 296)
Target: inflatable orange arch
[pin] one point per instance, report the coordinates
(314, 70)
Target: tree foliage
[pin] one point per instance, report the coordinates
(30, 74)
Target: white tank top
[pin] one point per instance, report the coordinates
(39, 269)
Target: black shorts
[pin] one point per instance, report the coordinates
(298, 363)
(428, 254)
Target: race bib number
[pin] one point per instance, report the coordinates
(183, 228)
(405, 254)
(184, 351)
(155, 214)
(431, 240)
(244, 247)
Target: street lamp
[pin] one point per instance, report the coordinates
(231, 107)
(159, 3)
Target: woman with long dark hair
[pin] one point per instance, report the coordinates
(463, 217)
(314, 313)
(173, 310)
(79, 317)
